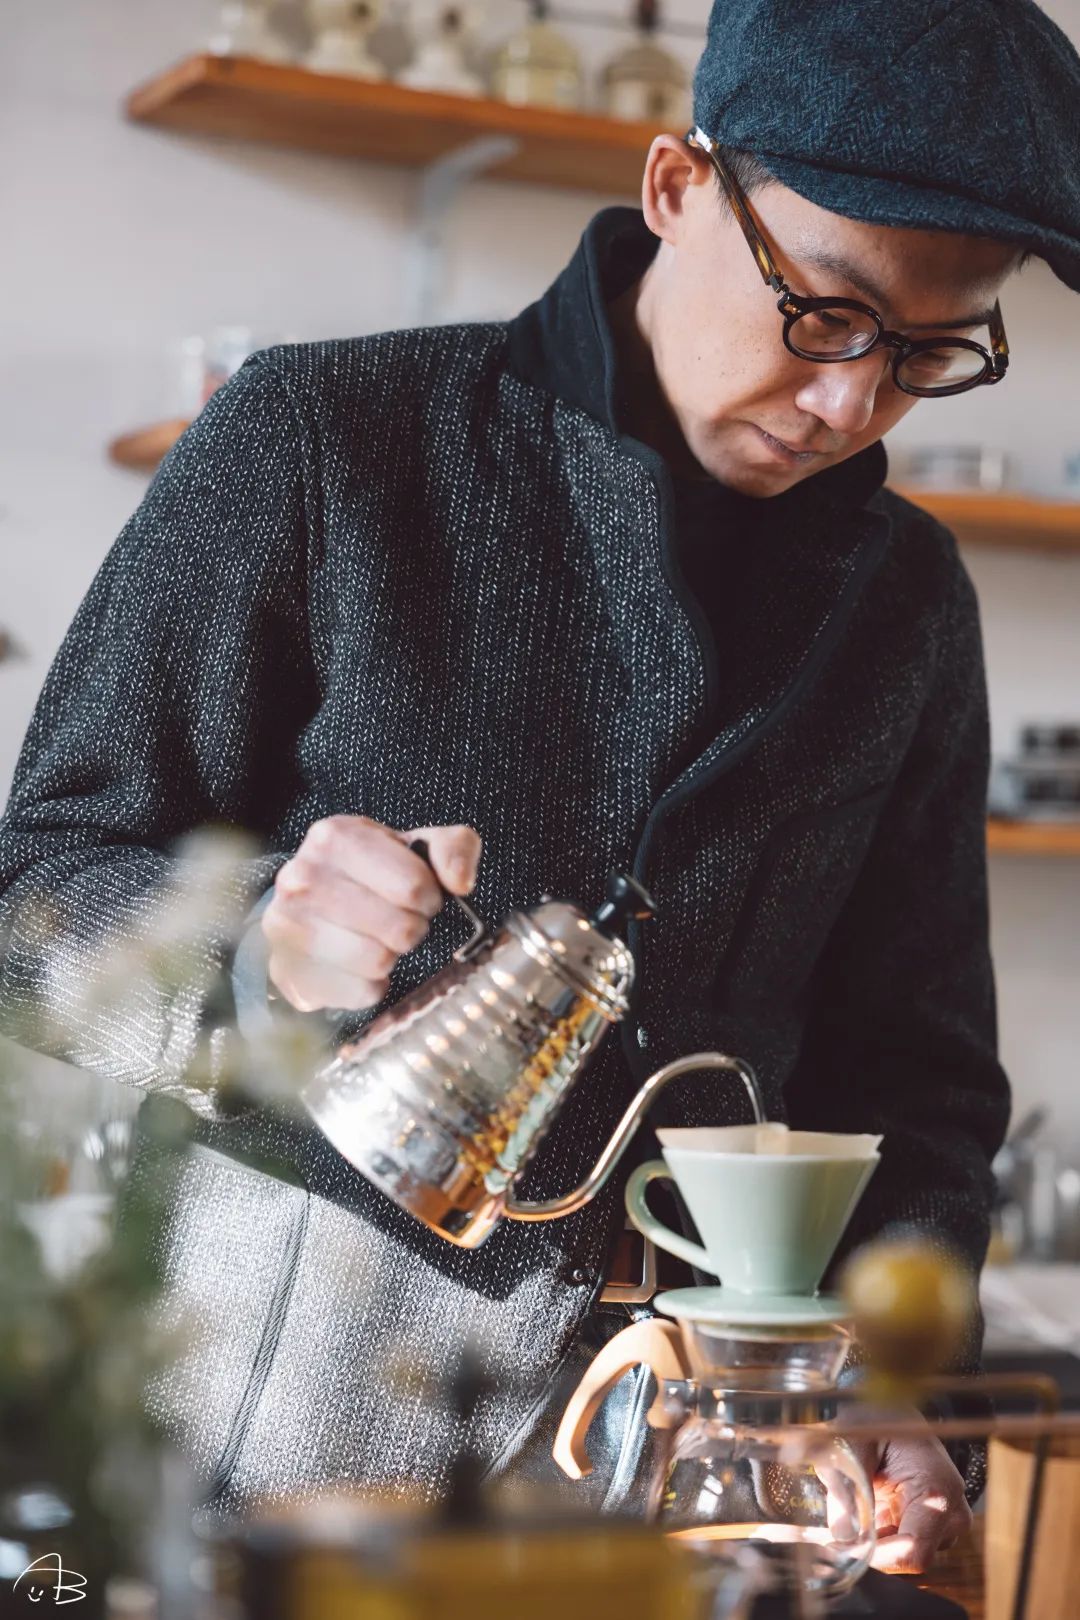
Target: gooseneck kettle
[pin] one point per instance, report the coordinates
(444, 1098)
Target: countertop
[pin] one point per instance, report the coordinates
(959, 1574)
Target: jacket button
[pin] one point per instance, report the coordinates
(579, 1275)
(642, 1036)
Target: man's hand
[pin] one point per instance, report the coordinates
(353, 899)
(919, 1501)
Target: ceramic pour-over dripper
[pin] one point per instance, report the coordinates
(771, 1204)
(746, 1372)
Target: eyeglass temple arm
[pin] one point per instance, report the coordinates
(770, 274)
(998, 341)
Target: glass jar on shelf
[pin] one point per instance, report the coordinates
(644, 81)
(538, 67)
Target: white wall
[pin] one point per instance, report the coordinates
(118, 240)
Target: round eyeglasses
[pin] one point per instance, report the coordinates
(833, 330)
(836, 329)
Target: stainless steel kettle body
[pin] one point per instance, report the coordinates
(444, 1098)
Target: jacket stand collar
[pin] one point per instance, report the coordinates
(564, 344)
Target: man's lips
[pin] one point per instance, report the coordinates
(798, 454)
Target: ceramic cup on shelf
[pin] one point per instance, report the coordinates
(245, 29)
(442, 31)
(341, 37)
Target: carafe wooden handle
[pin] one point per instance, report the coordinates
(653, 1343)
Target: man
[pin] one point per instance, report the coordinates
(615, 585)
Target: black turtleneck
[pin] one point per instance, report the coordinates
(717, 533)
(717, 530)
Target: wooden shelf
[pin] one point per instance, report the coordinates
(1034, 838)
(322, 112)
(1020, 521)
(142, 450)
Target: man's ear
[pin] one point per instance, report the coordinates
(673, 170)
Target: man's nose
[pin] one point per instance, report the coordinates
(844, 396)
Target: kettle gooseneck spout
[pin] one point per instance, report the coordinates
(552, 1208)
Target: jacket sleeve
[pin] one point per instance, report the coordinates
(902, 1033)
(174, 703)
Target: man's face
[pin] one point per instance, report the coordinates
(754, 415)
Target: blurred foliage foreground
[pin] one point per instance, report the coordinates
(81, 1461)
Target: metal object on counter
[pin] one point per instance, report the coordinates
(1038, 1212)
(1042, 1204)
(1068, 1214)
(445, 1097)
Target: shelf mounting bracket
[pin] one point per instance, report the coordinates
(441, 184)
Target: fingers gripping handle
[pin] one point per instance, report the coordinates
(653, 1343)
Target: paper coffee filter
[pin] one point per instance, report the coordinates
(771, 1140)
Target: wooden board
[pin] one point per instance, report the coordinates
(323, 112)
(1004, 520)
(959, 1574)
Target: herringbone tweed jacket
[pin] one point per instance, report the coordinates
(426, 577)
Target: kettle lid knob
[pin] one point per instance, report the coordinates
(626, 899)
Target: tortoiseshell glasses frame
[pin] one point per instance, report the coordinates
(830, 331)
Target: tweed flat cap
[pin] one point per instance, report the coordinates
(955, 115)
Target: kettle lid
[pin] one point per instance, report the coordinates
(590, 952)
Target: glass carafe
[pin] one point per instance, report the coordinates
(747, 1470)
(766, 1479)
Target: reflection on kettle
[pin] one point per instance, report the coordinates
(445, 1097)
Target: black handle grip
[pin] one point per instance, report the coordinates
(419, 846)
(480, 934)
(626, 899)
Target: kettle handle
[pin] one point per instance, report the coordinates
(480, 936)
(657, 1345)
(552, 1208)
